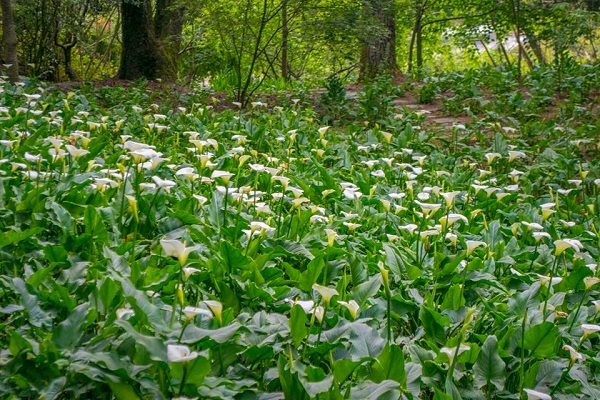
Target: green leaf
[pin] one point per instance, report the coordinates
(325, 174)
(434, 323)
(518, 304)
(36, 279)
(233, 257)
(414, 372)
(389, 365)
(122, 391)
(343, 368)
(228, 297)
(394, 262)
(197, 370)
(548, 373)
(194, 335)
(386, 390)
(298, 328)
(37, 317)
(494, 235)
(358, 270)
(94, 226)
(365, 342)
(10, 237)
(489, 368)
(290, 384)
(68, 333)
(291, 247)
(116, 262)
(156, 348)
(453, 299)
(451, 390)
(17, 344)
(313, 388)
(309, 277)
(65, 219)
(366, 290)
(542, 339)
(53, 390)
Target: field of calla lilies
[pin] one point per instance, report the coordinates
(156, 251)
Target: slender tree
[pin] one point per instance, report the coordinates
(9, 39)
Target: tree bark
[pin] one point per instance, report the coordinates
(168, 28)
(379, 51)
(285, 73)
(67, 52)
(9, 39)
(142, 55)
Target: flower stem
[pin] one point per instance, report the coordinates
(183, 378)
(577, 311)
(522, 366)
(321, 324)
(562, 376)
(389, 318)
(552, 273)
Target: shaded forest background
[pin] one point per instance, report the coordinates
(240, 45)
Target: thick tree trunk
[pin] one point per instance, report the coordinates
(168, 27)
(9, 39)
(379, 51)
(142, 55)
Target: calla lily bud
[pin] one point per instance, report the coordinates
(216, 308)
(325, 292)
(385, 278)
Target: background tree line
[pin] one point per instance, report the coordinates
(249, 41)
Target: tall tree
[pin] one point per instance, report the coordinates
(379, 47)
(144, 54)
(9, 39)
(168, 27)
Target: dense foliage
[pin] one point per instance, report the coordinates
(156, 245)
(246, 42)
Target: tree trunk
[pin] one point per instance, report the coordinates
(9, 40)
(379, 51)
(419, 29)
(142, 56)
(168, 27)
(67, 52)
(535, 45)
(71, 74)
(285, 73)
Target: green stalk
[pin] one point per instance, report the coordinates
(464, 278)
(522, 366)
(185, 324)
(321, 324)
(122, 211)
(552, 273)
(152, 203)
(247, 245)
(534, 251)
(279, 214)
(577, 311)
(453, 363)
(225, 205)
(389, 318)
(183, 378)
(562, 376)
